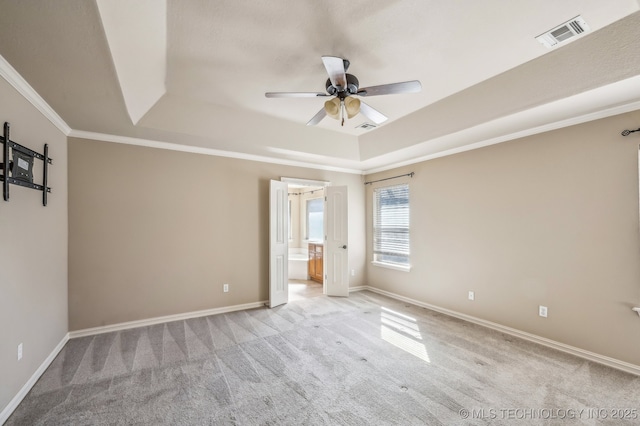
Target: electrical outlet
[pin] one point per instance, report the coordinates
(19, 351)
(225, 288)
(542, 311)
(472, 296)
(353, 272)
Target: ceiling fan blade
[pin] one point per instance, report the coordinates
(317, 118)
(372, 114)
(335, 69)
(294, 94)
(413, 86)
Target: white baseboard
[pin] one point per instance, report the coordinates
(581, 353)
(590, 356)
(163, 319)
(8, 410)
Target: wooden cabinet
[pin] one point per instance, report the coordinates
(315, 261)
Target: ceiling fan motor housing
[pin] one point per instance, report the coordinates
(344, 90)
(351, 89)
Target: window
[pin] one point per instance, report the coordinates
(391, 226)
(315, 224)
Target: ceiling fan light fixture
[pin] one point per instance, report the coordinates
(332, 107)
(352, 105)
(343, 86)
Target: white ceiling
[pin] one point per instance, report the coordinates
(193, 73)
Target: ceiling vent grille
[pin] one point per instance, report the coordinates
(564, 32)
(366, 126)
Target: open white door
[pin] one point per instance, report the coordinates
(336, 253)
(278, 244)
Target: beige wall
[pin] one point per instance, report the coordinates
(33, 251)
(550, 220)
(156, 232)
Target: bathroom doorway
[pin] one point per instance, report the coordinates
(306, 237)
(333, 247)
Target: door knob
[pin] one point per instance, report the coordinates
(344, 247)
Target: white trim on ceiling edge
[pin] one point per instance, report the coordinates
(24, 88)
(29, 93)
(13, 404)
(607, 112)
(20, 84)
(206, 151)
(572, 350)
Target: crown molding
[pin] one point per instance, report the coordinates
(29, 93)
(584, 118)
(20, 84)
(206, 151)
(467, 133)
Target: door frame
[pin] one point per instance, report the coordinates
(305, 182)
(310, 182)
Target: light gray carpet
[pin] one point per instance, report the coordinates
(366, 359)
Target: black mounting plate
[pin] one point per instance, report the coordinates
(25, 154)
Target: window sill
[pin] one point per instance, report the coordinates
(392, 266)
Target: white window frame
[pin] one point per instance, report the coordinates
(306, 217)
(385, 263)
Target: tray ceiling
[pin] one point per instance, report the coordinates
(194, 73)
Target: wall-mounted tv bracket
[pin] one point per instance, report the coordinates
(19, 170)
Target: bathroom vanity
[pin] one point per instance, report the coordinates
(315, 261)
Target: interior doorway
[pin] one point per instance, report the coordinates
(333, 246)
(306, 240)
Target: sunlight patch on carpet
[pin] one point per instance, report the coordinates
(403, 332)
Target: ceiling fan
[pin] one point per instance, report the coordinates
(343, 87)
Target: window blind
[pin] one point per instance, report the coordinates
(391, 224)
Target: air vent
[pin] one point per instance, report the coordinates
(366, 126)
(564, 32)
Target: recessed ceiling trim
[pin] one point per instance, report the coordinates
(20, 84)
(206, 151)
(620, 109)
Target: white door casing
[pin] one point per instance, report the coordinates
(336, 251)
(278, 244)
